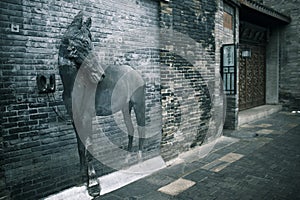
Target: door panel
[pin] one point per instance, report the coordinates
(252, 77)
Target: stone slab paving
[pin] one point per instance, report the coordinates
(176, 187)
(262, 163)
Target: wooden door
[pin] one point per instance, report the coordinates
(252, 77)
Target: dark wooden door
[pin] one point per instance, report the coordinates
(252, 77)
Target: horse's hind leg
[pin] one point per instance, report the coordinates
(139, 110)
(128, 122)
(82, 157)
(140, 116)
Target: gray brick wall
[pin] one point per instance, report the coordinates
(174, 45)
(187, 73)
(228, 36)
(38, 143)
(289, 93)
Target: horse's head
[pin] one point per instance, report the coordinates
(76, 49)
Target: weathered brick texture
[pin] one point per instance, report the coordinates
(188, 70)
(38, 143)
(289, 93)
(174, 45)
(226, 35)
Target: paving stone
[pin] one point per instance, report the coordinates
(175, 171)
(177, 187)
(214, 164)
(231, 157)
(264, 125)
(211, 157)
(108, 197)
(263, 167)
(199, 175)
(156, 195)
(135, 190)
(224, 142)
(264, 131)
(159, 179)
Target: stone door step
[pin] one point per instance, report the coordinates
(253, 114)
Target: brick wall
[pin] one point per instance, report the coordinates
(38, 143)
(228, 35)
(289, 93)
(179, 62)
(34, 140)
(188, 71)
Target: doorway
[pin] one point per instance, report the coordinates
(252, 75)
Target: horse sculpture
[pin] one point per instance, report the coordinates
(91, 89)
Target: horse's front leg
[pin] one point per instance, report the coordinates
(93, 184)
(141, 132)
(85, 147)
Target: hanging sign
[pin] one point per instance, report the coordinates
(228, 69)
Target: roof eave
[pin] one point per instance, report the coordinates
(266, 10)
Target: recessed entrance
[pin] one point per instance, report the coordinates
(252, 66)
(252, 78)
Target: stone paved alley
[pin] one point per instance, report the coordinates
(261, 160)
